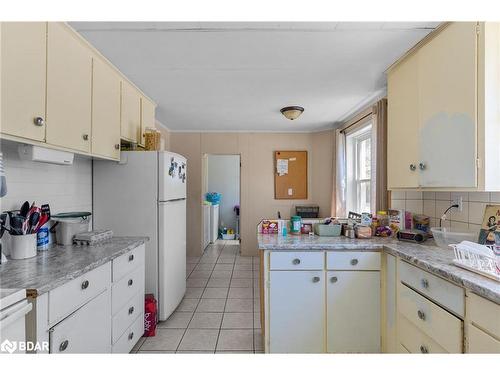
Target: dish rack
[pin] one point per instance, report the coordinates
(482, 264)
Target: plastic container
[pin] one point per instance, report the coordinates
(445, 237)
(332, 230)
(295, 224)
(70, 223)
(213, 197)
(228, 236)
(43, 238)
(23, 246)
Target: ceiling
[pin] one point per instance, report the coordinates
(223, 76)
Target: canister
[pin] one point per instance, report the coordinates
(295, 224)
(43, 238)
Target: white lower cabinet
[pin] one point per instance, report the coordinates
(353, 311)
(297, 312)
(87, 330)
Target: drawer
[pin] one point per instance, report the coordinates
(414, 340)
(441, 291)
(353, 260)
(123, 290)
(126, 263)
(297, 260)
(434, 321)
(484, 314)
(481, 342)
(75, 293)
(130, 337)
(87, 330)
(127, 315)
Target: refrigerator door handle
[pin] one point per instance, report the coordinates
(174, 200)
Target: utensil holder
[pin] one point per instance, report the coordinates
(23, 246)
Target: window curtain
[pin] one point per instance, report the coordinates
(340, 174)
(379, 199)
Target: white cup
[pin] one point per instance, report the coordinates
(23, 246)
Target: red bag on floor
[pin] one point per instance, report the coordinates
(150, 316)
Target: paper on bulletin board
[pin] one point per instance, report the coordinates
(282, 167)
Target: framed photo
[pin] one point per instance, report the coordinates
(490, 228)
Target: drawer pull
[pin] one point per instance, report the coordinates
(130, 282)
(63, 346)
(131, 335)
(423, 349)
(131, 310)
(131, 257)
(354, 262)
(421, 315)
(85, 284)
(296, 261)
(316, 279)
(334, 279)
(39, 121)
(425, 283)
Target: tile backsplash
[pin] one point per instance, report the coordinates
(64, 187)
(433, 204)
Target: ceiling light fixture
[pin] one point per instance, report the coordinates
(292, 112)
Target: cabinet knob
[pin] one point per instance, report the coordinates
(63, 346)
(425, 283)
(354, 262)
(39, 121)
(316, 279)
(423, 349)
(131, 310)
(85, 137)
(334, 279)
(421, 315)
(422, 166)
(131, 257)
(413, 167)
(117, 146)
(296, 261)
(131, 335)
(130, 282)
(85, 284)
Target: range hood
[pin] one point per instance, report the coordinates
(45, 155)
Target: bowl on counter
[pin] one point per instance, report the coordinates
(445, 236)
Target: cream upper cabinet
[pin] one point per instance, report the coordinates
(23, 74)
(69, 89)
(446, 94)
(147, 117)
(130, 113)
(403, 125)
(105, 110)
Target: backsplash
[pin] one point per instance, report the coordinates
(433, 204)
(64, 187)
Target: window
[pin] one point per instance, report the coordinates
(359, 165)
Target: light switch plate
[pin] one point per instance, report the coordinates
(290, 191)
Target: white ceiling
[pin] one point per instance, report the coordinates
(236, 76)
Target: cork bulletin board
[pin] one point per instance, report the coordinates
(290, 174)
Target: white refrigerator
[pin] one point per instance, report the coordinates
(145, 195)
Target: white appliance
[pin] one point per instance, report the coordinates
(206, 225)
(13, 309)
(214, 223)
(45, 155)
(145, 195)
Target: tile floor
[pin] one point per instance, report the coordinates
(220, 311)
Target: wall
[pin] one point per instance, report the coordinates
(257, 176)
(223, 173)
(433, 204)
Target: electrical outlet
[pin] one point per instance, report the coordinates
(459, 200)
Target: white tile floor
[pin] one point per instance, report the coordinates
(220, 311)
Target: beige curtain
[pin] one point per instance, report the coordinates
(379, 156)
(340, 183)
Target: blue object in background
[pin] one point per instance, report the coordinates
(213, 197)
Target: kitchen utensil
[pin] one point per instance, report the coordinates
(16, 224)
(68, 224)
(33, 222)
(25, 209)
(45, 209)
(44, 218)
(23, 246)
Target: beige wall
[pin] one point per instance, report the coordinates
(257, 176)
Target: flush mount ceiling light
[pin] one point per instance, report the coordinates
(292, 112)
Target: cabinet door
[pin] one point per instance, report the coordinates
(147, 118)
(23, 79)
(480, 342)
(447, 82)
(69, 89)
(87, 330)
(353, 311)
(402, 125)
(130, 113)
(390, 303)
(297, 312)
(105, 110)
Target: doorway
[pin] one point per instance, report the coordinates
(221, 175)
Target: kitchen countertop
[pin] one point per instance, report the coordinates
(52, 268)
(427, 256)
